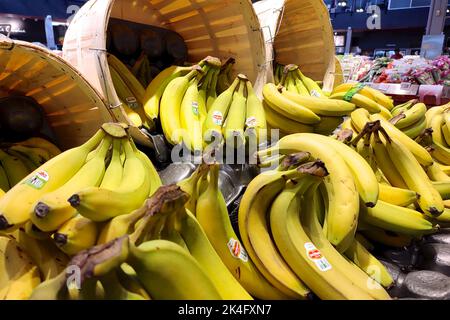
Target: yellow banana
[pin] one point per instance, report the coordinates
(185, 279)
(75, 235)
(215, 119)
(256, 237)
(171, 100)
(327, 125)
(370, 93)
(233, 130)
(101, 204)
(156, 88)
(287, 107)
(212, 214)
(369, 264)
(387, 238)
(321, 106)
(416, 129)
(190, 118)
(412, 115)
(310, 265)
(16, 205)
(53, 209)
(415, 177)
(311, 85)
(15, 169)
(42, 143)
(397, 219)
(435, 173)
(255, 114)
(359, 101)
(278, 121)
(397, 196)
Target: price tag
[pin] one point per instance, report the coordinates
(383, 87)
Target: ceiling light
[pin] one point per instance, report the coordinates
(342, 3)
(360, 10)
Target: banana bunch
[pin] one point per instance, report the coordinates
(364, 97)
(297, 104)
(130, 92)
(410, 118)
(292, 251)
(224, 79)
(17, 160)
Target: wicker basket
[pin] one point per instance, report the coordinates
(300, 32)
(221, 28)
(73, 108)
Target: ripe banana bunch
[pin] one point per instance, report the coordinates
(297, 104)
(364, 97)
(351, 178)
(130, 92)
(17, 160)
(293, 252)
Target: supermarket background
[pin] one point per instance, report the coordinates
(365, 52)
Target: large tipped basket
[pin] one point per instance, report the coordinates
(73, 108)
(300, 32)
(220, 28)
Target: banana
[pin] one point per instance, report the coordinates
(342, 193)
(443, 187)
(302, 90)
(387, 238)
(321, 106)
(16, 205)
(311, 85)
(440, 152)
(397, 196)
(201, 249)
(37, 142)
(170, 106)
(385, 113)
(435, 173)
(212, 90)
(278, 121)
(417, 150)
(30, 165)
(114, 172)
(233, 130)
(18, 274)
(53, 209)
(403, 107)
(416, 129)
(128, 77)
(4, 183)
(436, 124)
(290, 83)
(369, 264)
(370, 93)
(114, 290)
(37, 155)
(190, 118)
(75, 235)
(135, 118)
(129, 280)
(189, 185)
(15, 169)
(256, 237)
(255, 114)
(167, 271)
(212, 214)
(365, 179)
(300, 253)
(287, 107)
(412, 115)
(52, 289)
(396, 219)
(446, 134)
(385, 163)
(359, 101)
(359, 118)
(310, 222)
(415, 177)
(156, 88)
(203, 94)
(120, 225)
(101, 204)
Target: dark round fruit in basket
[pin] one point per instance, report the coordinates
(125, 39)
(154, 70)
(176, 47)
(152, 43)
(21, 116)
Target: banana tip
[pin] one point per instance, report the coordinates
(4, 224)
(60, 238)
(370, 204)
(41, 210)
(74, 200)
